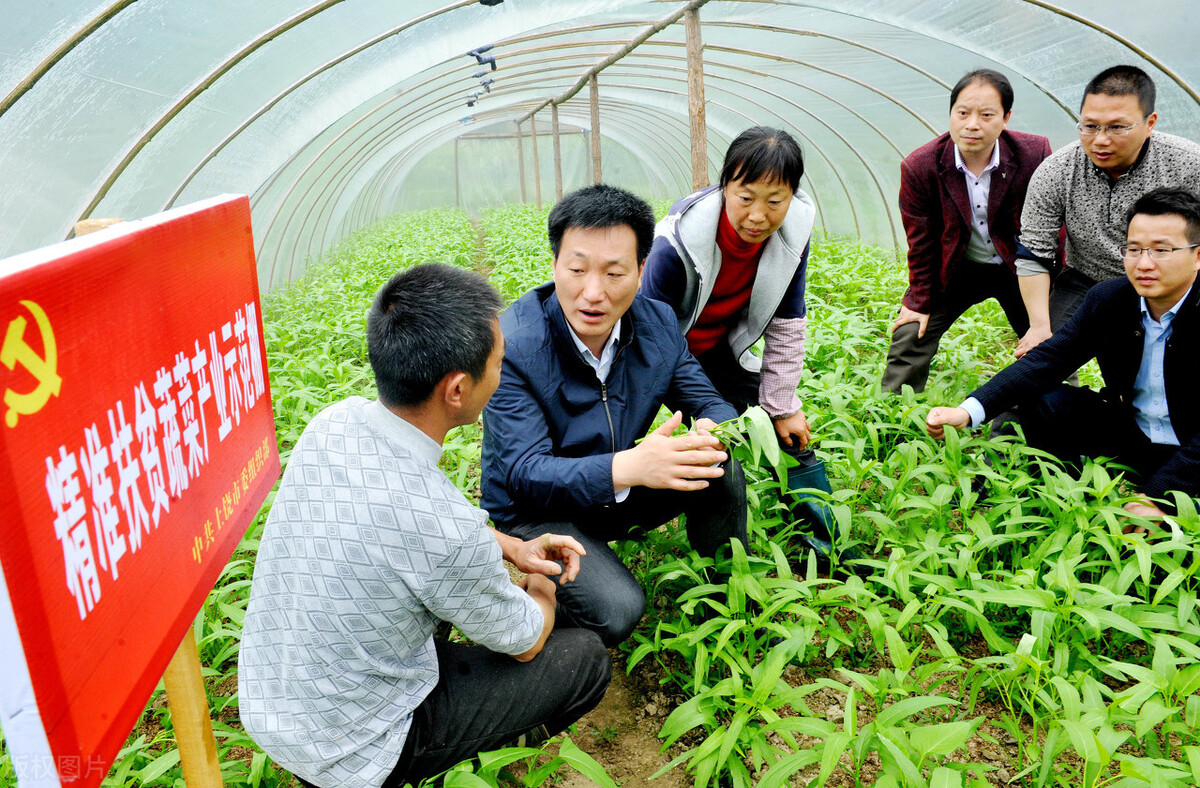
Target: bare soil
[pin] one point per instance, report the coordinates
(622, 735)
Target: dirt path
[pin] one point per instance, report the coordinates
(622, 734)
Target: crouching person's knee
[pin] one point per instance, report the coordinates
(590, 654)
(621, 615)
(579, 665)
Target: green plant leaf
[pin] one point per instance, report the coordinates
(683, 718)
(941, 739)
(464, 779)
(945, 778)
(158, 767)
(903, 709)
(831, 752)
(762, 435)
(778, 774)
(585, 764)
(493, 761)
(899, 761)
(1193, 759)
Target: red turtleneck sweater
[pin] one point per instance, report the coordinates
(731, 291)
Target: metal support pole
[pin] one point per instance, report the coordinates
(558, 189)
(695, 66)
(596, 169)
(537, 173)
(521, 161)
(457, 194)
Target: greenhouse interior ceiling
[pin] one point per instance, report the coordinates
(333, 114)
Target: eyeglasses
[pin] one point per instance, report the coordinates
(1159, 253)
(1111, 130)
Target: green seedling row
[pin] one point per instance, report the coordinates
(1016, 637)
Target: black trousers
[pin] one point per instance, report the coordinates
(1071, 423)
(605, 597)
(909, 358)
(1066, 296)
(484, 700)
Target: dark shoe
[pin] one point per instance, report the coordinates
(812, 514)
(849, 559)
(719, 513)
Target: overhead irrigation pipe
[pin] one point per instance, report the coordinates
(640, 39)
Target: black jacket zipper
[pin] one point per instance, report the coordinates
(612, 433)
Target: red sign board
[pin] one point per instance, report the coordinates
(137, 444)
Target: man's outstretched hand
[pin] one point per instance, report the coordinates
(538, 556)
(683, 462)
(939, 418)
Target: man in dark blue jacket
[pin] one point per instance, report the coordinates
(588, 363)
(1144, 331)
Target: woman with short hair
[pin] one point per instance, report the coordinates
(731, 261)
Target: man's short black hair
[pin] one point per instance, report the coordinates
(426, 323)
(1123, 81)
(988, 77)
(1167, 200)
(762, 153)
(600, 206)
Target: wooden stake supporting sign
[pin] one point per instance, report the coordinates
(191, 716)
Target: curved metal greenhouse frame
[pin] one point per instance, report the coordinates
(334, 114)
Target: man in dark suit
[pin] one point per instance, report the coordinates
(1144, 331)
(960, 199)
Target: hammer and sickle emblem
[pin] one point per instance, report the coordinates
(16, 350)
